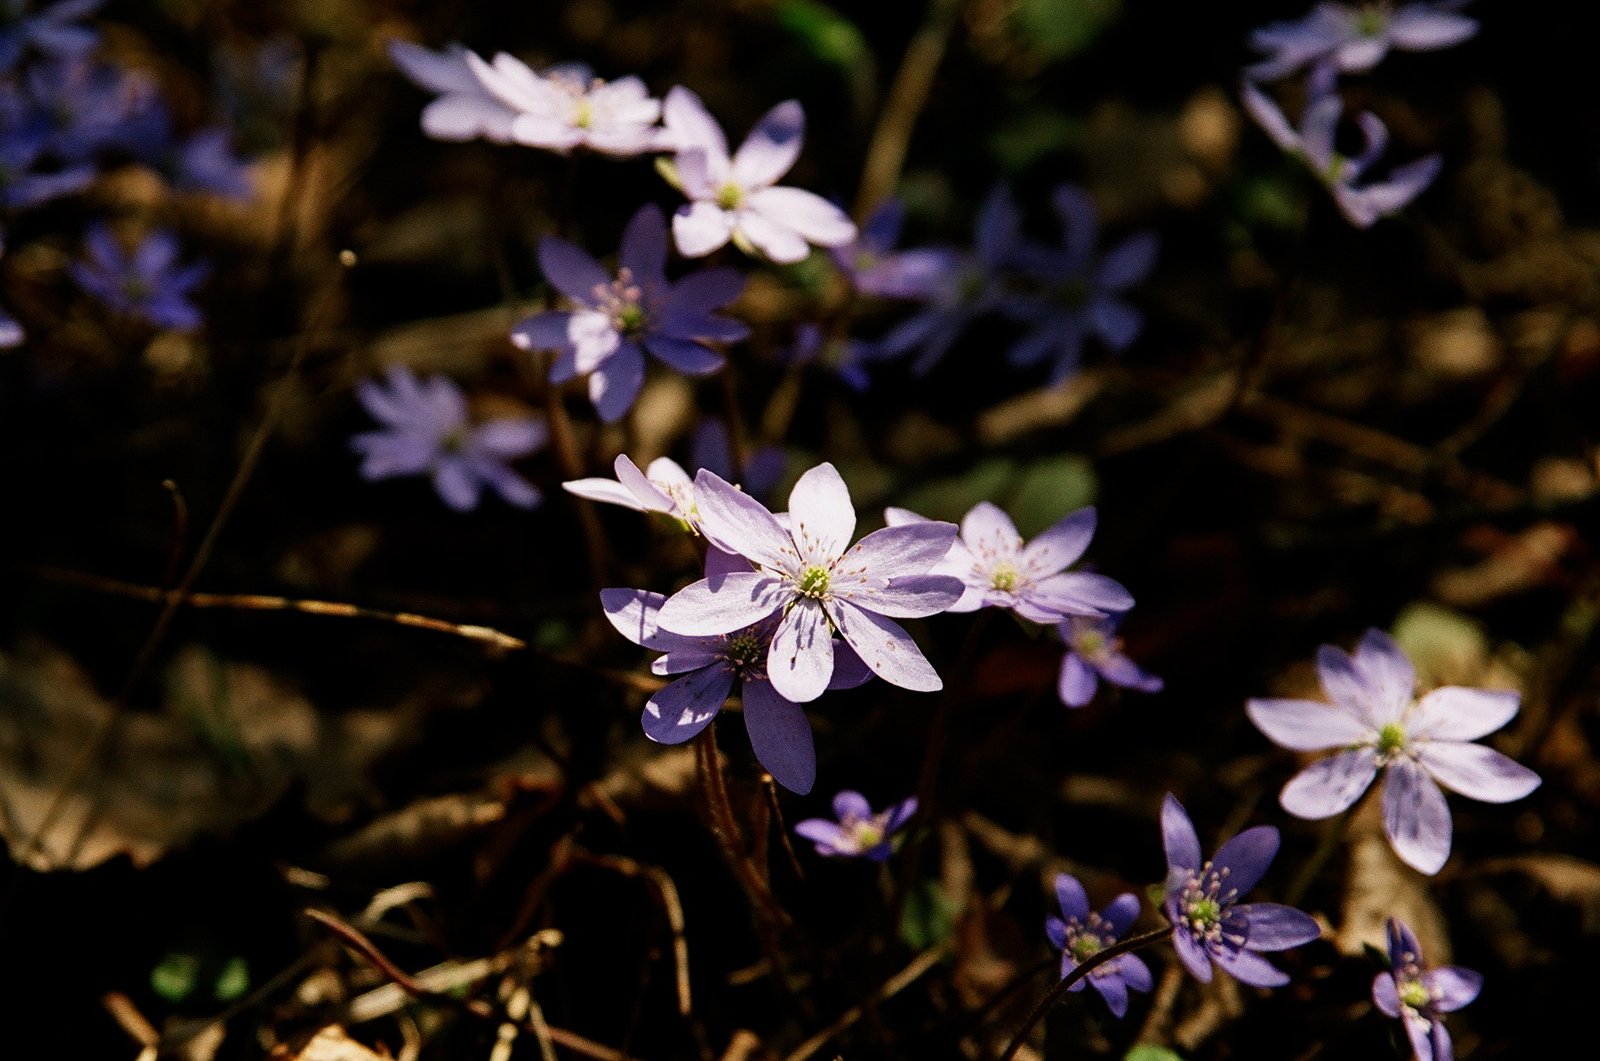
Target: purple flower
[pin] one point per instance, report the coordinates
(858, 833)
(1094, 652)
(616, 319)
(999, 570)
(1209, 924)
(568, 107)
(874, 267)
(464, 109)
(1079, 934)
(737, 198)
(1354, 38)
(970, 285)
(1418, 996)
(1087, 293)
(427, 430)
(1377, 722)
(148, 284)
(845, 357)
(87, 103)
(1361, 204)
(52, 30)
(807, 569)
(779, 731)
(203, 162)
(712, 449)
(664, 487)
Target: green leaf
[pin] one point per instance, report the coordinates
(929, 917)
(1148, 1052)
(1060, 29)
(174, 976)
(828, 35)
(1050, 489)
(233, 981)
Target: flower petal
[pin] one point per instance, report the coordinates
(691, 126)
(1245, 857)
(1195, 958)
(644, 246)
(851, 804)
(571, 270)
(780, 734)
(1274, 926)
(651, 497)
(1330, 785)
(1178, 839)
(1385, 995)
(1080, 593)
(737, 523)
(1113, 990)
(894, 552)
(885, 647)
(616, 383)
(829, 838)
(821, 514)
(1452, 986)
(739, 599)
(633, 613)
(772, 236)
(1077, 681)
(684, 708)
(1250, 968)
(1347, 685)
(1074, 901)
(1388, 671)
(1121, 912)
(907, 597)
(772, 146)
(689, 357)
(1306, 725)
(700, 228)
(810, 215)
(1415, 817)
(800, 660)
(1476, 771)
(1454, 713)
(1061, 545)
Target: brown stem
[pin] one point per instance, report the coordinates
(725, 828)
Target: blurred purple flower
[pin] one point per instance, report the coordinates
(202, 162)
(427, 430)
(873, 267)
(807, 569)
(858, 832)
(973, 284)
(1086, 294)
(999, 570)
(22, 145)
(1209, 924)
(87, 103)
(1079, 934)
(1361, 204)
(51, 29)
(568, 107)
(616, 320)
(711, 448)
(737, 198)
(1418, 996)
(1377, 722)
(1353, 38)
(148, 284)
(464, 109)
(845, 357)
(779, 731)
(1094, 653)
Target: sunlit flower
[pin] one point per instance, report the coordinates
(859, 832)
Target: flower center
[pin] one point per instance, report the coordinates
(1391, 740)
(454, 440)
(1004, 578)
(1203, 902)
(1075, 294)
(743, 651)
(730, 196)
(583, 113)
(1085, 947)
(623, 301)
(814, 582)
(1372, 21)
(1203, 913)
(1415, 994)
(867, 833)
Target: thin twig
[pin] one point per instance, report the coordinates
(891, 987)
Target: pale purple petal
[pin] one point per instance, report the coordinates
(1058, 547)
(681, 710)
(885, 647)
(813, 217)
(1073, 899)
(1385, 995)
(1330, 785)
(1419, 1030)
(644, 246)
(617, 382)
(1476, 771)
(1077, 682)
(509, 437)
(1079, 593)
(690, 358)
(893, 552)
(1415, 817)
(771, 148)
(1347, 685)
(1455, 713)
(1452, 986)
(1178, 839)
(1114, 991)
(651, 497)
(848, 669)
(1306, 725)
(800, 661)
(1417, 28)
(633, 613)
(691, 125)
(708, 289)
(1194, 957)
(1250, 968)
(1246, 857)
(829, 838)
(740, 599)
(848, 804)
(700, 228)
(1388, 672)
(780, 733)
(1274, 926)
(608, 491)
(771, 236)
(737, 523)
(907, 597)
(1056, 929)
(456, 485)
(1135, 973)
(571, 270)
(1269, 117)
(821, 514)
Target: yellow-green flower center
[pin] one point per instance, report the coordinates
(1085, 947)
(1414, 994)
(1372, 21)
(583, 114)
(1203, 912)
(631, 319)
(1391, 739)
(743, 650)
(1004, 578)
(730, 196)
(814, 582)
(454, 441)
(867, 834)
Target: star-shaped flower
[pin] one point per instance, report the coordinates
(464, 109)
(1418, 996)
(148, 284)
(1209, 924)
(568, 107)
(738, 198)
(807, 570)
(859, 832)
(1376, 722)
(1079, 934)
(1094, 653)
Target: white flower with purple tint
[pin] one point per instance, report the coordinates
(1094, 654)
(859, 831)
(1375, 721)
(1418, 996)
(148, 283)
(1353, 38)
(464, 109)
(428, 430)
(999, 570)
(779, 731)
(662, 487)
(1209, 924)
(737, 197)
(1361, 203)
(1080, 933)
(807, 570)
(1087, 293)
(615, 319)
(567, 107)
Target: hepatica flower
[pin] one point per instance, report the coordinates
(1361, 202)
(859, 832)
(662, 487)
(615, 319)
(874, 267)
(999, 570)
(568, 107)
(148, 283)
(1376, 722)
(709, 666)
(1094, 654)
(738, 198)
(844, 356)
(1417, 995)
(1086, 292)
(49, 28)
(809, 574)
(1079, 934)
(1353, 38)
(1209, 924)
(464, 109)
(427, 430)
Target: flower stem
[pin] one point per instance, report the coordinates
(1084, 969)
(725, 828)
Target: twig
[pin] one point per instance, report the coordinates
(726, 830)
(368, 951)
(891, 987)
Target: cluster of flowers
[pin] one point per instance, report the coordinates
(1337, 39)
(66, 115)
